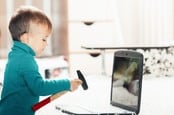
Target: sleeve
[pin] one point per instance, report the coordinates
(38, 85)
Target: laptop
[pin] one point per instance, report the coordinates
(125, 90)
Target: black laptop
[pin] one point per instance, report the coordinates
(125, 90)
(127, 80)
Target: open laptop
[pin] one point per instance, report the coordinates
(125, 90)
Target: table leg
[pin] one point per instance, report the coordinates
(103, 71)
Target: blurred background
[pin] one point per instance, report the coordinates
(100, 23)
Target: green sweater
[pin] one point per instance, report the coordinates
(23, 83)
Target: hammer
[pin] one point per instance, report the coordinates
(51, 98)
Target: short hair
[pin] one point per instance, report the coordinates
(20, 21)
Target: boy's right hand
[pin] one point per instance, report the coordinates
(75, 83)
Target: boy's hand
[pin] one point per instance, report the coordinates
(75, 83)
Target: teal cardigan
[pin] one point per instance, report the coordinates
(23, 83)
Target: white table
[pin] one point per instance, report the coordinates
(157, 96)
(110, 47)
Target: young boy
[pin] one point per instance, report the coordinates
(23, 84)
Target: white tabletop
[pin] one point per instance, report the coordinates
(157, 96)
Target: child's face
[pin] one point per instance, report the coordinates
(38, 36)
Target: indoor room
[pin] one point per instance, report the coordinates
(86, 36)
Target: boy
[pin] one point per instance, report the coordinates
(23, 84)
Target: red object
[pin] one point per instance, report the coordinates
(44, 102)
(40, 104)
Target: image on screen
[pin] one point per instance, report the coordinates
(125, 81)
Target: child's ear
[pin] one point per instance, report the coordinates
(24, 38)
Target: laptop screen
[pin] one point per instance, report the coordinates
(127, 80)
